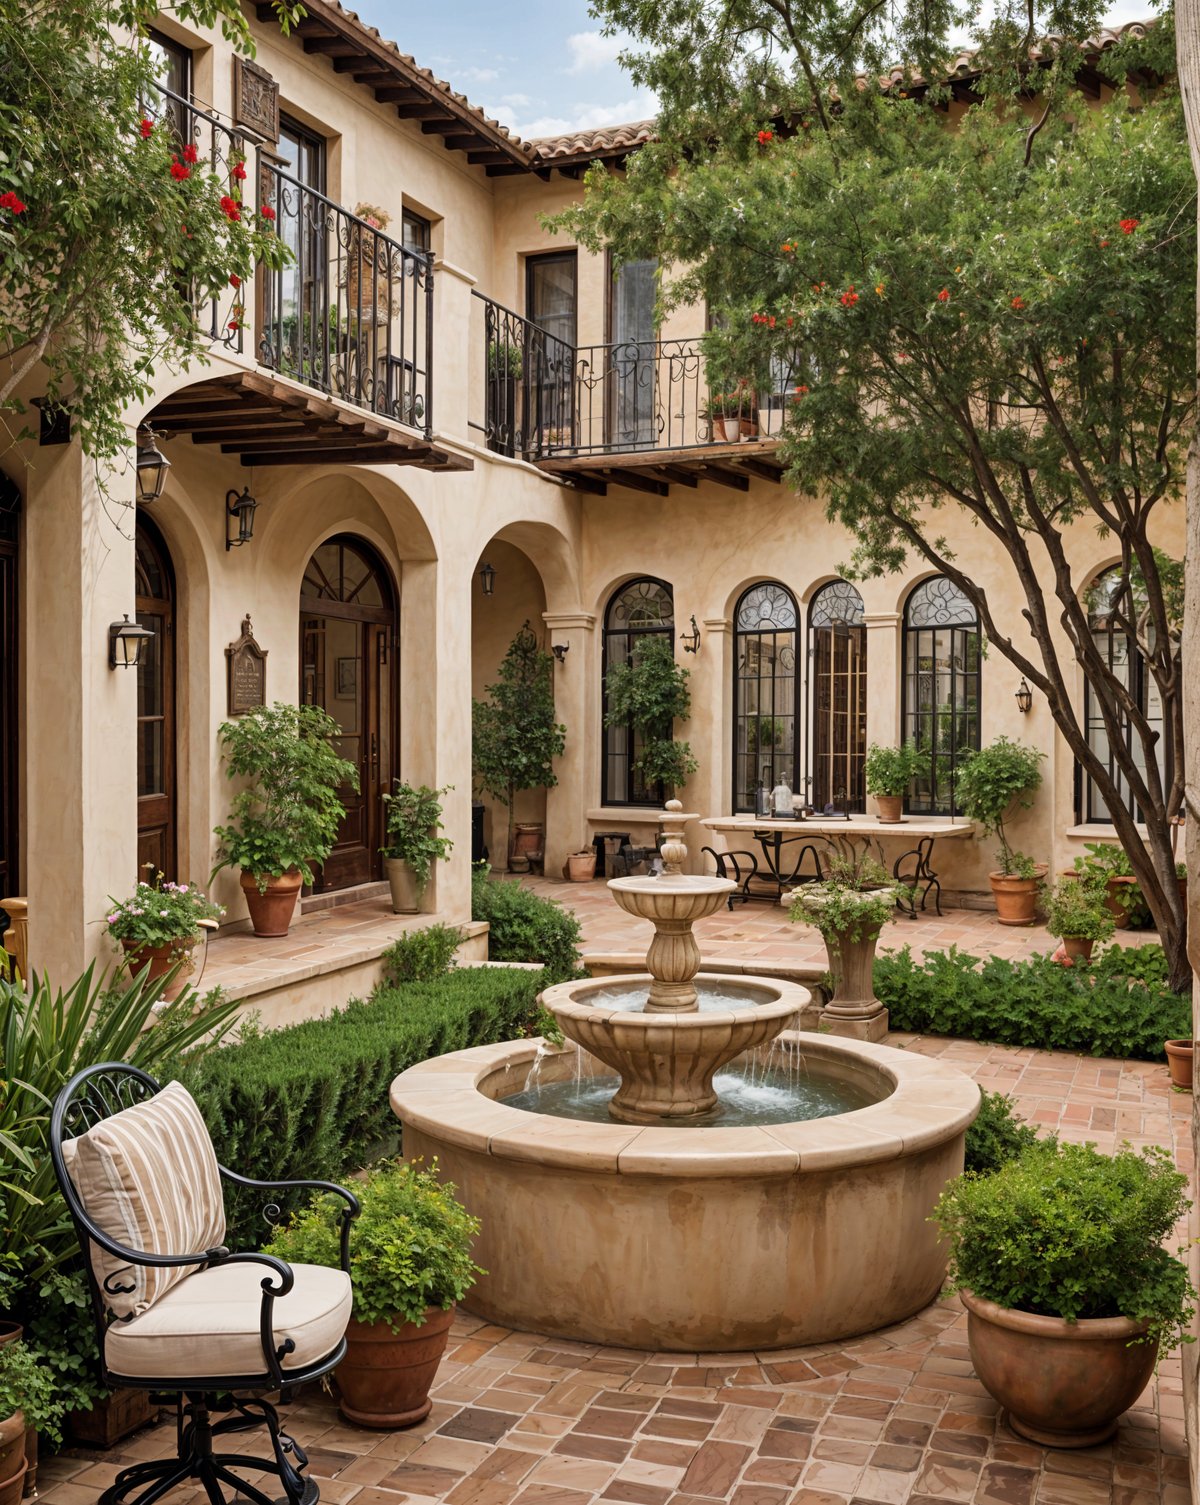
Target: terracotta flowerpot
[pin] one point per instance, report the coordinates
(31, 1460)
(728, 429)
(1181, 1056)
(13, 1486)
(385, 1377)
(747, 428)
(1016, 898)
(271, 912)
(10, 1332)
(1063, 1384)
(12, 1443)
(581, 867)
(891, 808)
(162, 959)
(529, 840)
(1112, 901)
(403, 883)
(1076, 947)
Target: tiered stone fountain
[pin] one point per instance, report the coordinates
(785, 1202)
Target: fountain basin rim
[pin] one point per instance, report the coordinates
(676, 883)
(929, 1104)
(570, 999)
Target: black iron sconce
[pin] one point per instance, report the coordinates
(1024, 696)
(152, 467)
(126, 640)
(560, 651)
(691, 640)
(488, 575)
(239, 508)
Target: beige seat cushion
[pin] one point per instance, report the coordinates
(148, 1177)
(207, 1326)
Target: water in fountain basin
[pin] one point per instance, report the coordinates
(712, 997)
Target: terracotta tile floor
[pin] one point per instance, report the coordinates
(894, 1416)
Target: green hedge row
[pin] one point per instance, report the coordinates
(1118, 1005)
(311, 1100)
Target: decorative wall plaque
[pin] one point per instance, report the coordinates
(255, 99)
(246, 664)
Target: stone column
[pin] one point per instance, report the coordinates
(457, 318)
(884, 670)
(567, 801)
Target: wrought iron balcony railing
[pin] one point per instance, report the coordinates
(544, 398)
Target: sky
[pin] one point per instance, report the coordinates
(540, 67)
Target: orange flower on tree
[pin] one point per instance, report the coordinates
(765, 136)
(1018, 302)
(1128, 226)
(849, 298)
(944, 295)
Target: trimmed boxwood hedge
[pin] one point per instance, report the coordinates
(311, 1100)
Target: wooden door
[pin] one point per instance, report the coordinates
(155, 605)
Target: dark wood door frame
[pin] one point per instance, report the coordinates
(156, 818)
(10, 846)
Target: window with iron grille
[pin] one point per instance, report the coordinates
(766, 733)
(637, 610)
(940, 698)
(838, 652)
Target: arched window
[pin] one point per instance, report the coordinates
(1125, 662)
(765, 740)
(838, 649)
(642, 607)
(154, 594)
(941, 688)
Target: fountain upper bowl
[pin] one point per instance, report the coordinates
(673, 896)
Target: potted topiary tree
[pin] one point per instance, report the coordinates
(414, 817)
(515, 737)
(1076, 912)
(1058, 1257)
(649, 691)
(988, 786)
(287, 815)
(410, 1261)
(889, 773)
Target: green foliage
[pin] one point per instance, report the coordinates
(1065, 1231)
(1118, 1004)
(27, 1385)
(421, 955)
(504, 359)
(991, 781)
(414, 817)
(1077, 908)
(763, 732)
(524, 927)
(158, 913)
(890, 770)
(997, 1135)
(410, 1247)
(311, 1100)
(649, 692)
(102, 268)
(843, 912)
(287, 815)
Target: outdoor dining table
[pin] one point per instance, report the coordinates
(783, 869)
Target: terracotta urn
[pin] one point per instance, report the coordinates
(386, 1376)
(1181, 1056)
(271, 911)
(161, 960)
(581, 866)
(12, 1446)
(1112, 900)
(1016, 898)
(1063, 1384)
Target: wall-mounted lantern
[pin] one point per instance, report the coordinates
(239, 510)
(488, 575)
(691, 640)
(560, 651)
(152, 467)
(1024, 696)
(126, 640)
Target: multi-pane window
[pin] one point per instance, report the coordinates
(838, 652)
(549, 358)
(299, 295)
(640, 609)
(173, 64)
(765, 731)
(632, 365)
(940, 689)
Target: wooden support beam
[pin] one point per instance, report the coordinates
(350, 454)
(676, 475)
(583, 482)
(762, 471)
(238, 435)
(327, 46)
(354, 59)
(485, 158)
(635, 481)
(397, 94)
(724, 477)
(463, 142)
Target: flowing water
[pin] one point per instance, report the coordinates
(712, 997)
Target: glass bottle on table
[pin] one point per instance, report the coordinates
(781, 800)
(762, 796)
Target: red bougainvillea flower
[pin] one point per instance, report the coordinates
(190, 154)
(944, 295)
(1017, 302)
(1103, 243)
(234, 280)
(234, 325)
(790, 321)
(1128, 226)
(267, 212)
(801, 390)
(765, 136)
(239, 171)
(179, 172)
(849, 298)
(9, 200)
(231, 207)
(147, 129)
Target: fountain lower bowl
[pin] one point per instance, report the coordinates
(697, 1239)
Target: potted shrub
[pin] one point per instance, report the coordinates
(849, 908)
(649, 691)
(505, 363)
(370, 270)
(410, 1261)
(28, 1406)
(287, 815)
(413, 819)
(159, 925)
(1109, 866)
(889, 773)
(1076, 912)
(732, 413)
(581, 865)
(1070, 1295)
(989, 784)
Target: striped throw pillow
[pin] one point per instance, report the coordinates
(148, 1178)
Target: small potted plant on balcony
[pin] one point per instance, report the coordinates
(889, 773)
(159, 926)
(410, 1261)
(413, 819)
(1076, 912)
(369, 269)
(1058, 1257)
(287, 815)
(732, 413)
(989, 785)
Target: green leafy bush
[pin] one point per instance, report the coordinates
(27, 1385)
(1077, 908)
(649, 692)
(1119, 1004)
(311, 1100)
(524, 926)
(410, 1247)
(421, 955)
(1065, 1231)
(890, 770)
(993, 781)
(998, 1135)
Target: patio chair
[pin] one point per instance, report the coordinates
(741, 867)
(176, 1311)
(914, 870)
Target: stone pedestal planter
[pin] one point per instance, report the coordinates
(854, 1011)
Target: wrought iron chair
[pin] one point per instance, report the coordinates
(740, 866)
(915, 871)
(188, 1359)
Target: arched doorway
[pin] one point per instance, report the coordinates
(348, 666)
(154, 592)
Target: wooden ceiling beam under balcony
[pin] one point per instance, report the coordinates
(730, 465)
(268, 421)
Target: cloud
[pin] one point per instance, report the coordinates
(592, 50)
(641, 106)
(476, 75)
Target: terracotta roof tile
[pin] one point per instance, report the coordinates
(610, 138)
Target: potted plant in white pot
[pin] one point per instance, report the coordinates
(889, 772)
(413, 819)
(287, 814)
(988, 786)
(159, 926)
(1077, 913)
(410, 1261)
(1058, 1257)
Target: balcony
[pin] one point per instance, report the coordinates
(343, 334)
(639, 414)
